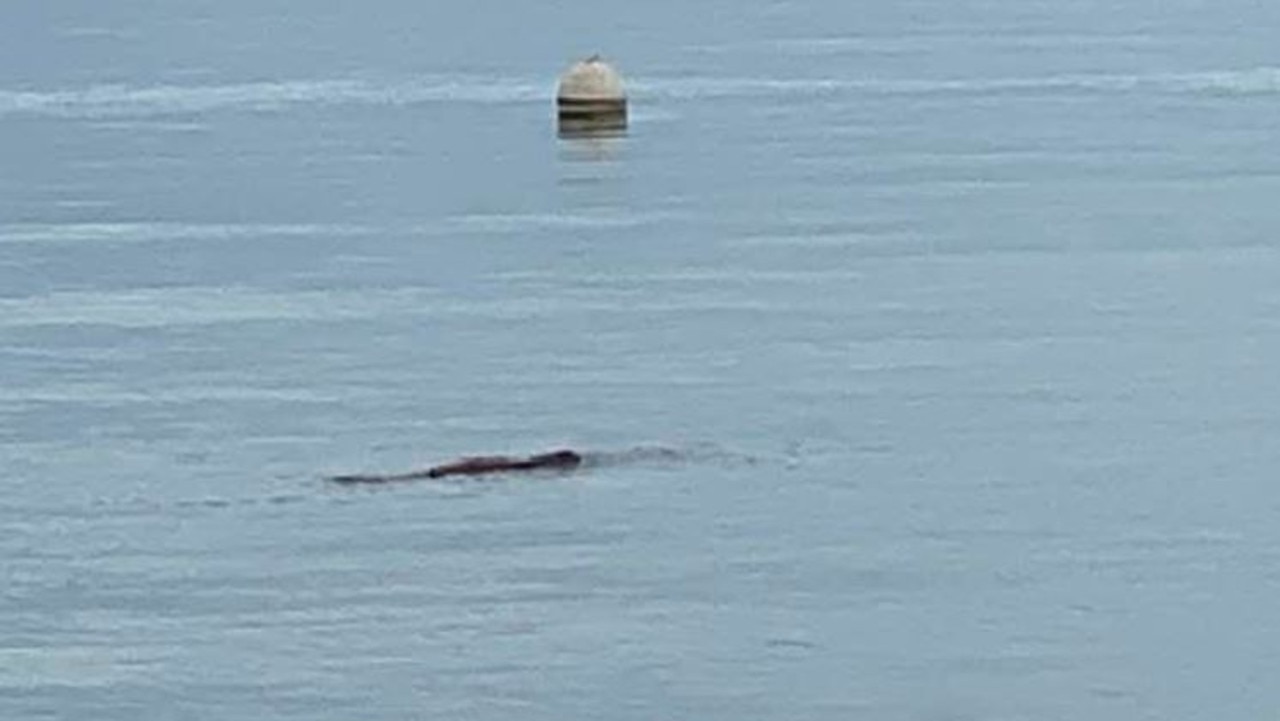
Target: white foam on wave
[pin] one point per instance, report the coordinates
(205, 305)
(1254, 81)
(84, 392)
(194, 306)
(45, 233)
(129, 101)
(67, 664)
(930, 41)
(510, 222)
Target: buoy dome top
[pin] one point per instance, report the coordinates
(591, 79)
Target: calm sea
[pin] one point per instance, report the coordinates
(960, 321)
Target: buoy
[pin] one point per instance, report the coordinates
(591, 100)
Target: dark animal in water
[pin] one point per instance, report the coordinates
(478, 465)
(495, 464)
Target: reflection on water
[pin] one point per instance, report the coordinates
(591, 147)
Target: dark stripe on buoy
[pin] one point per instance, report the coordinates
(591, 99)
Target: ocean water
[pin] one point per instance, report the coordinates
(926, 352)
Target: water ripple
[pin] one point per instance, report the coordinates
(116, 101)
(44, 233)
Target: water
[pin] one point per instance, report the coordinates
(961, 317)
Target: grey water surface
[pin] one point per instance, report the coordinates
(960, 319)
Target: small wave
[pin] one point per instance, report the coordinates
(129, 101)
(96, 33)
(662, 455)
(1254, 81)
(102, 394)
(195, 306)
(508, 222)
(899, 43)
(158, 232)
